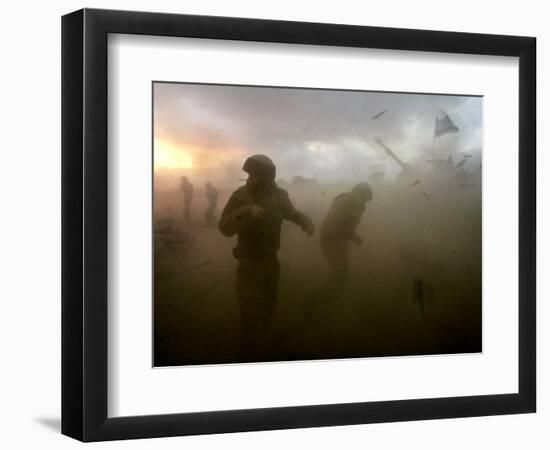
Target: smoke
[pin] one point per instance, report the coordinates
(311, 132)
(415, 282)
(414, 285)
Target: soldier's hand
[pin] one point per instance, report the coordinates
(309, 228)
(257, 212)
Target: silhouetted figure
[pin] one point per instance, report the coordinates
(212, 197)
(187, 188)
(339, 229)
(255, 213)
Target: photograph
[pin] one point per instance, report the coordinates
(289, 221)
(294, 224)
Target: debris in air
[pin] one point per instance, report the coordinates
(444, 125)
(380, 114)
(422, 295)
(460, 164)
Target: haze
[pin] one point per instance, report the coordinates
(208, 130)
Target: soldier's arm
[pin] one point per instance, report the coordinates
(235, 215)
(349, 227)
(299, 218)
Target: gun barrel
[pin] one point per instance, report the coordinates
(390, 152)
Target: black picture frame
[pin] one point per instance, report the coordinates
(84, 224)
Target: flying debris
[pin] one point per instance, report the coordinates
(380, 114)
(426, 195)
(460, 164)
(415, 183)
(444, 125)
(404, 166)
(422, 295)
(418, 296)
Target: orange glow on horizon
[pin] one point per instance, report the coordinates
(170, 156)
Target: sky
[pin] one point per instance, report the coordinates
(323, 134)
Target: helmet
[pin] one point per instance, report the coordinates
(260, 165)
(363, 190)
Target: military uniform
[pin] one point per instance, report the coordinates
(338, 230)
(256, 251)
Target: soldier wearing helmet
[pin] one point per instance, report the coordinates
(255, 213)
(339, 229)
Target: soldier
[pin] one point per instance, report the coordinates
(339, 228)
(187, 188)
(212, 197)
(254, 213)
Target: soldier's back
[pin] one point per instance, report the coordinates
(345, 209)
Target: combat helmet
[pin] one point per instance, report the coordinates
(260, 165)
(363, 190)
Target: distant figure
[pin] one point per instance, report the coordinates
(255, 213)
(339, 228)
(212, 197)
(187, 188)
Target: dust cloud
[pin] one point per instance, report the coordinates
(415, 282)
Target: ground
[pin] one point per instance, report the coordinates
(380, 313)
